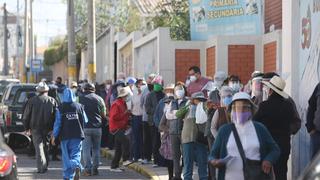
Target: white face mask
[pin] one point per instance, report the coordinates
(179, 94)
(235, 86)
(74, 90)
(143, 87)
(169, 95)
(265, 93)
(193, 78)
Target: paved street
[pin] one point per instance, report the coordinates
(26, 171)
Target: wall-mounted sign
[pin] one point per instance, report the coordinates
(224, 17)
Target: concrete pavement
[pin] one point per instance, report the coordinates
(26, 171)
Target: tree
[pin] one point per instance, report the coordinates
(174, 15)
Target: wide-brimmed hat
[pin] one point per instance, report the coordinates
(198, 95)
(89, 87)
(242, 96)
(124, 91)
(169, 86)
(42, 87)
(277, 84)
(74, 84)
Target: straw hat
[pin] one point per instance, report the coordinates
(42, 87)
(277, 84)
(124, 91)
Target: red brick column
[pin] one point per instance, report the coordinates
(211, 61)
(184, 59)
(241, 61)
(270, 57)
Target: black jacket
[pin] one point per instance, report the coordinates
(39, 113)
(277, 114)
(313, 115)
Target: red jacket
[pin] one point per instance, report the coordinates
(119, 117)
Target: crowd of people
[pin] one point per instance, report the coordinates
(228, 130)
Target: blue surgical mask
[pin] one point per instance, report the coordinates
(227, 101)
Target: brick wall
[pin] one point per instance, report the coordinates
(270, 57)
(241, 61)
(273, 14)
(211, 61)
(184, 59)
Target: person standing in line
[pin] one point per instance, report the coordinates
(152, 101)
(95, 110)
(277, 114)
(195, 81)
(146, 125)
(175, 127)
(193, 151)
(137, 112)
(38, 118)
(119, 123)
(69, 126)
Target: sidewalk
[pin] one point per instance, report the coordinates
(159, 173)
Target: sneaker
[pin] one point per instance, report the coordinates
(77, 174)
(127, 163)
(95, 172)
(86, 173)
(116, 170)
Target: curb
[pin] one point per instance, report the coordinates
(134, 166)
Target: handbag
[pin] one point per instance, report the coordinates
(252, 169)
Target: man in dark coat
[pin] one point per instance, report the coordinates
(277, 113)
(38, 118)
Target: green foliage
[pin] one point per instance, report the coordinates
(175, 16)
(58, 50)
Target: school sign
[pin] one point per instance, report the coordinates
(224, 17)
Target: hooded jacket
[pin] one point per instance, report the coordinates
(70, 118)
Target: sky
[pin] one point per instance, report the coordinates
(49, 18)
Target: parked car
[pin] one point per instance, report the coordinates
(12, 106)
(8, 162)
(5, 82)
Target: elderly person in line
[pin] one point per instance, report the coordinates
(220, 116)
(255, 141)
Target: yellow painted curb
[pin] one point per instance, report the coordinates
(136, 167)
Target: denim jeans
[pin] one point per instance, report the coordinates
(315, 143)
(91, 148)
(195, 152)
(137, 136)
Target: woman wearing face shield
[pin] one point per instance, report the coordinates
(243, 141)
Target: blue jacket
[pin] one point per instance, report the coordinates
(269, 150)
(69, 108)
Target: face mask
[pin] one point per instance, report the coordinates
(143, 87)
(179, 94)
(227, 101)
(235, 86)
(218, 84)
(74, 90)
(169, 95)
(193, 78)
(265, 93)
(240, 117)
(157, 87)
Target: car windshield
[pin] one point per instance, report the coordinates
(9, 94)
(22, 96)
(4, 84)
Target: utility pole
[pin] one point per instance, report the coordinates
(23, 73)
(72, 62)
(18, 42)
(91, 40)
(5, 36)
(31, 41)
